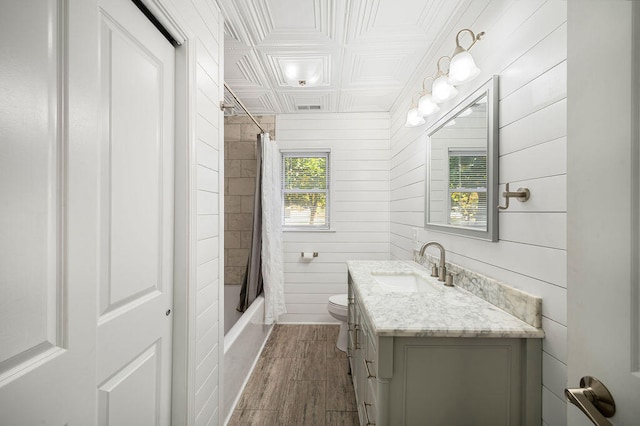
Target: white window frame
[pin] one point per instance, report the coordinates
(458, 152)
(329, 190)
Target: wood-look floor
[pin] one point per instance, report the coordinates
(301, 378)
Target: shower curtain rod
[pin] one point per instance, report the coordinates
(222, 106)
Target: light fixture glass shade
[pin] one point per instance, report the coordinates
(302, 73)
(442, 90)
(426, 105)
(414, 118)
(462, 68)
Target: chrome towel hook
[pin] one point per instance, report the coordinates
(522, 195)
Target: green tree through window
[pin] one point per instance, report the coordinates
(468, 188)
(305, 189)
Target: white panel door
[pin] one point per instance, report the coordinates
(136, 219)
(47, 217)
(603, 212)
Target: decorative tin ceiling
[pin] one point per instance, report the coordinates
(365, 51)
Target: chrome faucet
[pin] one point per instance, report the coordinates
(442, 269)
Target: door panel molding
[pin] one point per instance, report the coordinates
(136, 380)
(34, 243)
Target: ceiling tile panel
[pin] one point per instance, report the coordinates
(290, 22)
(308, 100)
(259, 102)
(391, 21)
(371, 68)
(367, 50)
(367, 100)
(243, 69)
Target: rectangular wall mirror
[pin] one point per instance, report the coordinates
(462, 167)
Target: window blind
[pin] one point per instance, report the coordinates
(467, 187)
(305, 190)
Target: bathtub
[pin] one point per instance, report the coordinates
(242, 346)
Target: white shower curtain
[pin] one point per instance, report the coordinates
(272, 264)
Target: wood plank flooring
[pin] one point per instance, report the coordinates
(300, 379)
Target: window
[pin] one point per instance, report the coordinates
(468, 188)
(305, 190)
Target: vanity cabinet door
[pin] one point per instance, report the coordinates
(369, 370)
(356, 356)
(451, 381)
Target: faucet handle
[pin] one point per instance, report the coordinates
(434, 270)
(448, 281)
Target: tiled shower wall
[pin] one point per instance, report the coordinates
(240, 134)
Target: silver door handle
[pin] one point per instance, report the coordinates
(594, 399)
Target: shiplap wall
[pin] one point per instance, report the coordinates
(525, 44)
(204, 24)
(359, 144)
(209, 339)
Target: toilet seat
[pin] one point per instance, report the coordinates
(338, 304)
(338, 308)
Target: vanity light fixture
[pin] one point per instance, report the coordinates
(462, 68)
(426, 105)
(414, 118)
(442, 90)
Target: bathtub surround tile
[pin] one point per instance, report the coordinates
(245, 239)
(232, 203)
(239, 221)
(237, 257)
(249, 132)
(246, 204)
(242, 186)
(242, 150)
(248, 168)
(312, 381)
(233, 168)
(231, 132)
(232, 240)
(233, 275)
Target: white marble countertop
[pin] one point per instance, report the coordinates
(433, 311)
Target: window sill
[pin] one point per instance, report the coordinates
(307, 230)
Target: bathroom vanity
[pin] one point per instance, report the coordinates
(424, 354)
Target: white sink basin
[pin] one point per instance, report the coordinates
(403, 283)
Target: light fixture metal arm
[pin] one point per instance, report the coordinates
(424, 88)
(440, 72)
(474, 38)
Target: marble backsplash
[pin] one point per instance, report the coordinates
(518, 303)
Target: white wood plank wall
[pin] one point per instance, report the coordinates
(206, 27)
(525, 44)
(359, 146)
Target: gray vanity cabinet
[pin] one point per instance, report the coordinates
(442, 381)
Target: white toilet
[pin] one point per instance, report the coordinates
(337, 307)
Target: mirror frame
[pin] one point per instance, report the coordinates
(490, 89)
